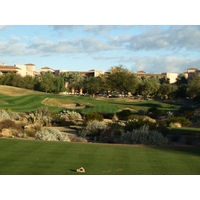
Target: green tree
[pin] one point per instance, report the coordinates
(29, 82)
(92, 85)
(167, 90)
(164, 80)
(59, 84)
(181, 79)
(181, 82)
(149, 86)
(73, 80)
(122, 80)
(193, 89)
(48, 82)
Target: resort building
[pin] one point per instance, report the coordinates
(190, 73)
(29, 69)
(172, 76)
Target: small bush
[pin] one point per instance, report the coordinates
(41, 115)
(93, 117)
(182, 120)
(31, 130)
(136, 122)
(111, 133)
(4, 114)
(8, 123)
(70, 115)
(14, 115)
(93, 129)
(58, 120)
(144, 136)
(124, 114)
(51, 135)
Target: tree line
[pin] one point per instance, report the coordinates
(118, 81)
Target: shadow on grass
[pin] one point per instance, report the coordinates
(148, 104)
(72, 170)
(186, 149)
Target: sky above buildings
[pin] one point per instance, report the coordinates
(150, 48)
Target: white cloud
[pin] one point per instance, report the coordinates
(79, 45)
(177, 37)
(162, 64)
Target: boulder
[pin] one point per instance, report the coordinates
(5, 132)
(81, 170)
(78, 139)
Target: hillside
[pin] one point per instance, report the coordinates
(15, 91)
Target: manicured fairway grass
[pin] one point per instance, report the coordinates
(185, 131)
(30, 102)
(27, 157)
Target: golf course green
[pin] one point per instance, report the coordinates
(28, 157)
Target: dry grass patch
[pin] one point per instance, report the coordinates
(14, 91)
(63, 103)
(55, 102)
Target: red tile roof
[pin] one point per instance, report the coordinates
(8, 68)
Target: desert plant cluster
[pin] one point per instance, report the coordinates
(123, 127)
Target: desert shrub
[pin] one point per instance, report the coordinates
(154, 112)
(58, 120)
(124, 114)
(13, 115)
(41, 115)
(92, 130)
(93, 117)
(180, 119)
(111, 133)
(51, 135)
(4, 114)
(32, 129)
(66, 118)
(70, 115)
(8, 123)
(15, 129)
(144, 136)
(136, 121)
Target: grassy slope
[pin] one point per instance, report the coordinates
(60, 158)
(24, 100)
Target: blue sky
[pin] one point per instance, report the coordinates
(136, 44)
(154, 49)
